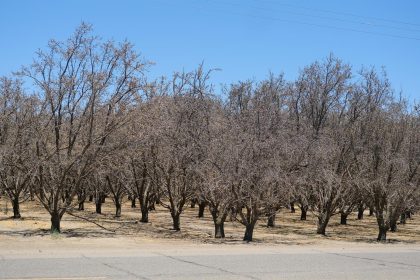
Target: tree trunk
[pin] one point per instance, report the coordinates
(55, 222)
(90, 198)
(249, 230)
(383, 225)
(360, 211)
(292, 208)
(271, 221)
(144, 213)
(219, 222)
(408, 214)
(323, 220)
(81, 197)
(382, 234)
(133, 203)
(16, 210)
(103, 198)
(193, 202)
(370, 211)
(303, 213)
(343, 219)
(219, 230)
(403, 218)
(201, 208)
(176, 221)
(117, 209)
(321, 228)
(393, 225)
(99, 206)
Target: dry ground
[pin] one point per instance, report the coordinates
(289, 229)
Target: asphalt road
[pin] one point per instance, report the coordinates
(200, 261)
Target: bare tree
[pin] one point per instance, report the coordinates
(256, 145)
(328, 142)
(82, 83)
(385, 161)
(17, 113)
(322, 91)
(214, 172)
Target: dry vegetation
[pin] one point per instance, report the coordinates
(289, 229)
(331, 142)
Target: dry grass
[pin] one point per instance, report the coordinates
(289, 229)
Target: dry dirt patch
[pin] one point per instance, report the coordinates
(289, 230)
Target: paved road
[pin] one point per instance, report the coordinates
(169, 261)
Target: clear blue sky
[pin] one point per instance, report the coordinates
(245, 38)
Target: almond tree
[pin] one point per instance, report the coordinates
(17, 113)
(141, 157)
(319, 110)
(388, 172)
(387, 184)
(215, 170)
(81, 83)
(256, 148)
(117, 183)
(177, 151)
(143, 187)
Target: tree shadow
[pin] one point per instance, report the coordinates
(67, 233)
(25, 233)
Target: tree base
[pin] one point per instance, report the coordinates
(249, 231)
(219, 230)
(382, 235)
(343, 219)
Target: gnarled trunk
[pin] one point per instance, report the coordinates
(99, 206)
(249, 231)
(403, 218)
(303, 212)
(176, 221)
(249, 219)
(144, 213)
(343, 219)
(99, 199)
(382, 234)
(360, 211)
(201, 208)
(219, 230)
(393, 225)
(16, 208)
(383, 225)
(81, 197)
(219, 221)
(271, 221)
(55, 222)
(292, 207)
(323, 220)
(193, 202)
(117, 209)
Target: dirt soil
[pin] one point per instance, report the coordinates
(289, 230)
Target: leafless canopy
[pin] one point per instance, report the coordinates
(331, 141)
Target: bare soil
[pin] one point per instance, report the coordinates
(289, 230)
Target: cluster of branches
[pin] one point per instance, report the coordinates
(331, 142)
